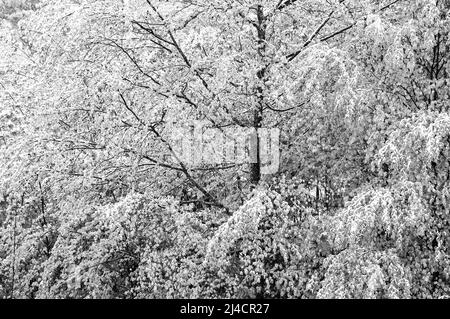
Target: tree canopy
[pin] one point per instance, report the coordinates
(95, 201)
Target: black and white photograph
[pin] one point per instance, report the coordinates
(246, 150)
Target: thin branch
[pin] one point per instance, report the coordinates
(332, 35)
(151, 32)
(130, 109)
(135, 62)
(281, 5)
(292, 56)
(286, 110)
(182, 167)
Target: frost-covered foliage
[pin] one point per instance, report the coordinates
(359, 273)
(265, 250)
(152, 248)
(95, 202)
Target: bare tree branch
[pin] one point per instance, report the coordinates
(135, 62)
(292, 56)
(284, 4)
(182, 167)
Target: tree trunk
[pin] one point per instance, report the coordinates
(255, 168)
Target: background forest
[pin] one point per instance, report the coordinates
(90, 90)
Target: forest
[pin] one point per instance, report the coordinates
(338, 188)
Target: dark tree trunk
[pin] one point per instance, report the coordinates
(255, 168)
